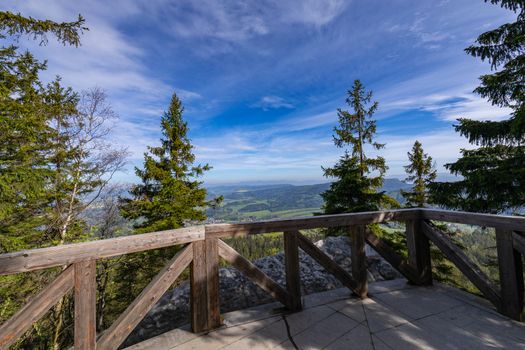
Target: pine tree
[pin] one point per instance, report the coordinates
(421, 173)
(358, 177)
(169, 196)
(24, 130)
(26, 148)
(493, 175)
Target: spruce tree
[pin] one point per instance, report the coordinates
(493, 175)
(25, 133)
(421, 173)
(26, 148)
(357, 176)
(170, 195)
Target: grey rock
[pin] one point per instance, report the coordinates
(237, 292)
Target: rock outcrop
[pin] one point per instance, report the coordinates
(237, 292)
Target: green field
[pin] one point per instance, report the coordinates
(262, 202)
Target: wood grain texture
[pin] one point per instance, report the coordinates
(419, 252)
(358, 256)
(31, 312)
(463, 263)
(387, 253)
(85, 305)
(198, 290)
(518, 242)
(212, 275)
(506, 222)
(251, 271)
(29, 260)
(340, 220)
(135, 312)
(510, 275)
(329, 265)
(293, 276)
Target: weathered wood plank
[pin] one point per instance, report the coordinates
(340, 220)
(463, 263)
(130, 318)
(419, 252)
(199, 292)
(325, 261)
(505, 222)
(518, 242)
(212, 275)
(392, 257)
(291, 263)
(510, 275)
(359, 263)
(29, 260)
(85, 305)
(253, 272)
(31, 312)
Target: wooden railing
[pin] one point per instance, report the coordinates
(203, 246)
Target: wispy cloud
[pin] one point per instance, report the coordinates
(467, 106)
(273, 102)
(261, 80)
(315, 12)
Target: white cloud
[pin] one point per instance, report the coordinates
(234, 21)
(314, 12)
(273, 102)
(469, 106)
(443, 145)
(230, 21)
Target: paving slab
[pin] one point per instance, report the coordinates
(396, 316)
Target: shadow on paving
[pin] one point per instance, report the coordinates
(396, 316)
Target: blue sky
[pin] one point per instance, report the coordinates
(261, 80)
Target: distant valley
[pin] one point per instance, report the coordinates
(255, 202)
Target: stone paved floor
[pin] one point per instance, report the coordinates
(396, 316)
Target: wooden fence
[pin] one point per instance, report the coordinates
(203, 247)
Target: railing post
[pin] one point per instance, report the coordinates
(359, 264)
(293, 275)
(199, 297)
(212, 283)
(419, 252)
(85, 305)
(205, 306)
(510, 275)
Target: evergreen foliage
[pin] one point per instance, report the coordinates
(170, 193)
(67, 33)
(493, 175)
(169, 196)
(421, 173)
(25, 131)
(29, 152)
(357, 176)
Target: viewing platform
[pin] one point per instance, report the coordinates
(395, 316)
(385, 315)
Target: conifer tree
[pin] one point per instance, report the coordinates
(26, 147)
(170, 193)
(357, 176)
(169, 196)
(421, 173)
(493, 175)
(25, 133)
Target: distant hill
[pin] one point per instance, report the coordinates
(244, 202)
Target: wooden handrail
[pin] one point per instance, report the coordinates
(505, 222)
(303, 223)
(205, 247)
(36, 259)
